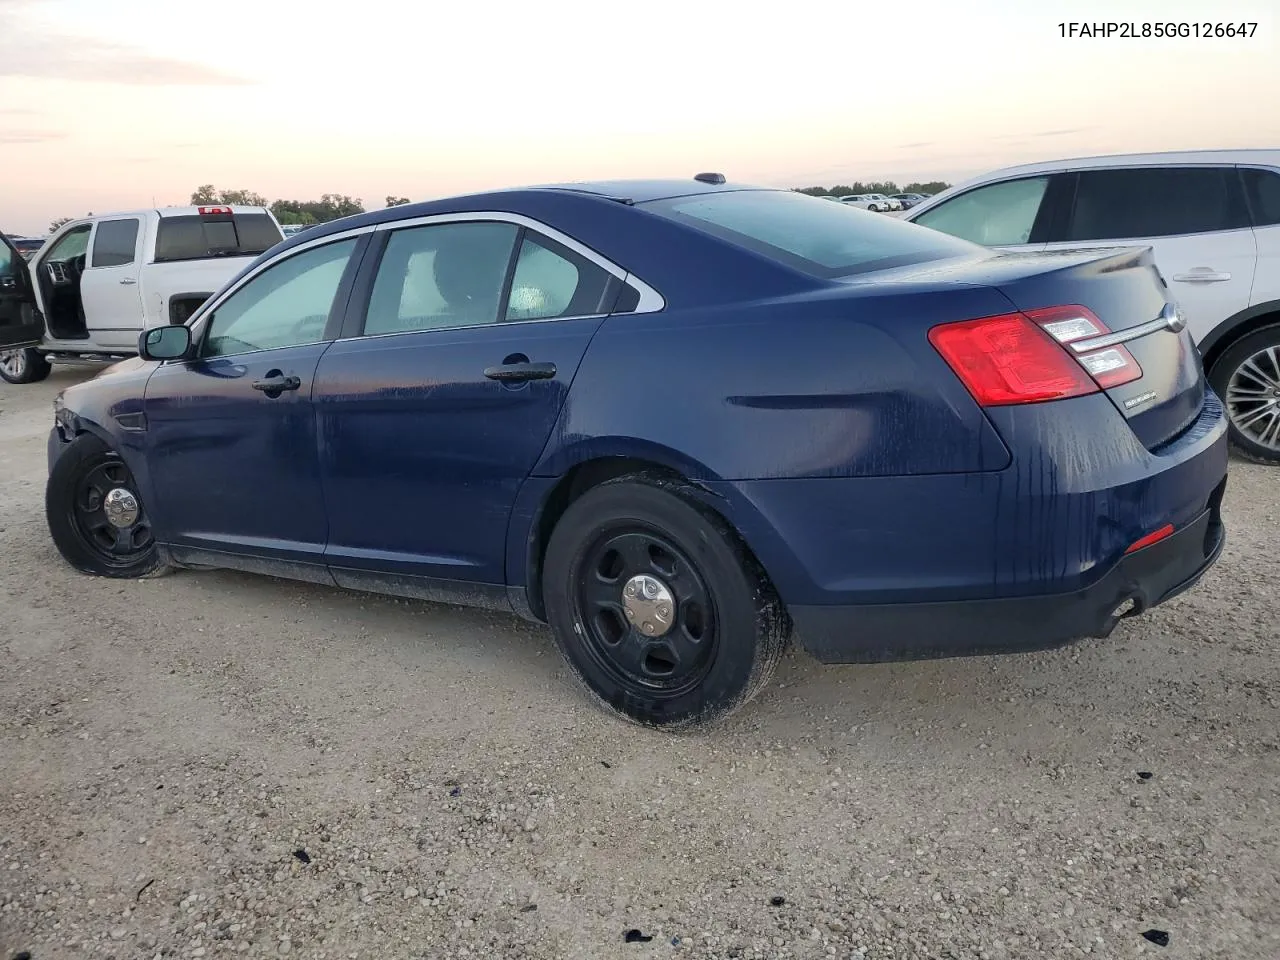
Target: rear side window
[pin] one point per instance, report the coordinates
(999, 214)
(114, 243)
(1263, 189)
(1143, 202)
(196, 238)
(551, 281)
(822, 239)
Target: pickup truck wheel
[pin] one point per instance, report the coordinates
(23, 366)
(656, 605)
(1247, 378)
(96, 515)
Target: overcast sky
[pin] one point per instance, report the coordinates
(111, 105)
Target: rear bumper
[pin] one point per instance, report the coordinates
(867, 633)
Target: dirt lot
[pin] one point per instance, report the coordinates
(211, 764)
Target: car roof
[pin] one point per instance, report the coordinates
(1138, 159)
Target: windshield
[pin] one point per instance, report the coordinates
(821, 239)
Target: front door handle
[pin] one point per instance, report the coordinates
(519, 372)
(128, 281)
(276, 383)
(1203, 275)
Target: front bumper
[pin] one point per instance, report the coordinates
(869, 633)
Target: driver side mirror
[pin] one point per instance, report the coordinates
(170, 342)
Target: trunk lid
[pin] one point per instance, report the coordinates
(1124, 290)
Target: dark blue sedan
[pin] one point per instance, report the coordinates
(680, 422)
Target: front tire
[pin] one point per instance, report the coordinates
(657, 606)
(96, 516)
(27, 365)
(1247, 378)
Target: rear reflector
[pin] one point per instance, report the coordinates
(1021, 357)
(1154, 537)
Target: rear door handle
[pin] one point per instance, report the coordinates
(128, 281)
(276, 383)
(1202, 276)
(518, 372)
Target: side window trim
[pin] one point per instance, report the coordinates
(651, 301)
(362, 289)
(337, 311)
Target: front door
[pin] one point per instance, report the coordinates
(231, 435)
(109, 287)
(433, 416)
(20, 324)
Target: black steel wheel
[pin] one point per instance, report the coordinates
(656, 604)
(95, 513)
(648, 614)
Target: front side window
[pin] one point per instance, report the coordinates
(1140, 202)
(1263, 188)
(440, 276)
(71, 245)
(286, 305)
(822, 239)
(6, 260)
(997, 215)
(114, 243)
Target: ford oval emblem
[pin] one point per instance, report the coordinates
(1173, 318)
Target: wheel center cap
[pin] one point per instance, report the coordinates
(648, 604)
(121, 508)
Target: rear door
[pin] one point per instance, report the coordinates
(1193, 217)
(433, 414)
(20, 324)
(109, 288)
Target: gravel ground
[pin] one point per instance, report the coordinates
(213, 764)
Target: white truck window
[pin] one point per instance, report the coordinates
(115, 243)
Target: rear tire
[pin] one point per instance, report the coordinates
(701, 631)
(1247, 379)
(96, 529)
(26, 365)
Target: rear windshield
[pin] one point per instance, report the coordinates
(822, 239)
(197, 238)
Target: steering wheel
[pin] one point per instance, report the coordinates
(75, 268)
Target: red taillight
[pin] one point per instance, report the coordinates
(1034, 356)
(214, 211)
(1008, 359)
(1155, 536)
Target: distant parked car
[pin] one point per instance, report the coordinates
(456, 400)
(909, 200)
(1213, 220)
(862, 200)
(27, 246)
(885, 204)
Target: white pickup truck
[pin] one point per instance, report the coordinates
(97, 283)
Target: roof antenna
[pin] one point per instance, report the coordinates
(716, 178)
